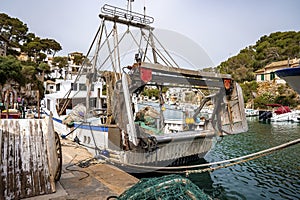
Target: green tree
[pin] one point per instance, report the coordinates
(61, 63)
(78, 59)
(35, 46)
(240, 66)
(13, 30)
(44, 68)
(28, 71)
(10, 69)
(264, 99)
(249, 90)
(287, 99)
(275, 47)
(50, 46)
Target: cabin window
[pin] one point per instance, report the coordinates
(57, 87)
(262, 77)
(82, 87)
(272, 75)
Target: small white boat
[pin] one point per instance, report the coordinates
(251, 112)
(290, 116)
(282, 113)
(296, 116)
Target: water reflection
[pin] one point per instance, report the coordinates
(275, 176)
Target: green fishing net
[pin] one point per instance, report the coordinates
(168, 187)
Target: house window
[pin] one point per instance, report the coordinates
(262, 77)
(57, 87)
(48, 104)
(82, 87)
(51, 87)
(74, 86)
(272, 75)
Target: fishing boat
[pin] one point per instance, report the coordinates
(102, 111)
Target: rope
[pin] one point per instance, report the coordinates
(230, 162)
(246, 158)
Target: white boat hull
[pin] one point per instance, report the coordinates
(170, 147)
(290, 116)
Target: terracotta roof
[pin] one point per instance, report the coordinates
(50, 82)
(259, 71)
(283, 63)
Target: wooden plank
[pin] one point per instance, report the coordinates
(51, 150)
(24, 168)
(40, 158)
(10, 175)
(18, 162)
(23, 147)
(0, 144)
(30, 186)
(34, 159)
(1, 165)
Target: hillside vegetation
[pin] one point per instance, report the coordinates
(275, 47)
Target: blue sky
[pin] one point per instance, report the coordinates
(221, 27)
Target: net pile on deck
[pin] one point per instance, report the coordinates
(166, 188)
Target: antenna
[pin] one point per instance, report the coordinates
(129, 5)
(144, 7)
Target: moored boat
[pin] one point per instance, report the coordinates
(10, 114)
(251, 112)
(104, 114)
(279, 113)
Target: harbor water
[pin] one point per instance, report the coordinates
(275, 176)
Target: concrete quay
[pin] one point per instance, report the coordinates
(89, 182)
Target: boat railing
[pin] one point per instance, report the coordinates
(126, 15)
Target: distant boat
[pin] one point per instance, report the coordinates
(280, 114)
(291, 76)
(12, 114)
(251, 112)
